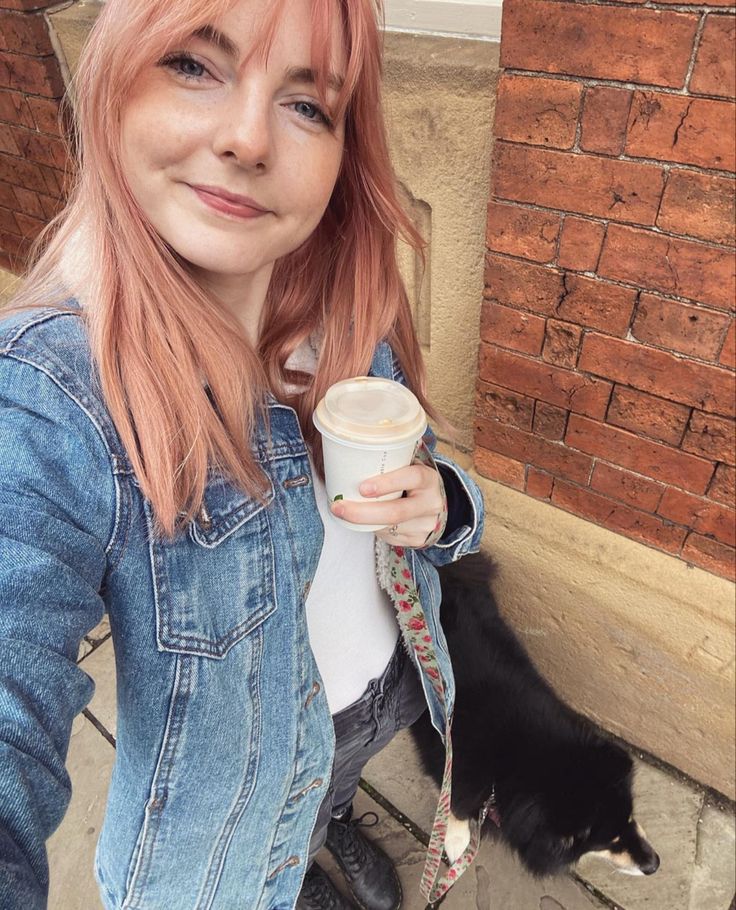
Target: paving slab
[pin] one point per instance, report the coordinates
(100, 665)
(696, 849)
(493, 882)
(71, 848)
(695, 842)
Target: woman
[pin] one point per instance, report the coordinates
(226, 254)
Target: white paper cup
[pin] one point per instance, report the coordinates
(369, 426)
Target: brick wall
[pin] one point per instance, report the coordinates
(606, 374)
(32, 155)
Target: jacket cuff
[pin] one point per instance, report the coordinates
(464, 528)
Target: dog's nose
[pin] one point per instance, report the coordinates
(651, 866)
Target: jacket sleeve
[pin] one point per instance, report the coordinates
(57, 511)
(465, 508)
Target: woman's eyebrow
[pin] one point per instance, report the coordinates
(210, 34)
(305, 74)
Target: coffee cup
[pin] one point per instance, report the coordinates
(369, 426)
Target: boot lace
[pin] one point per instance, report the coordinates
(353, 847)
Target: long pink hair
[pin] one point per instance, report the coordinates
(154, 332)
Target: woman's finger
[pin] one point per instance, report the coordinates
(412, 477)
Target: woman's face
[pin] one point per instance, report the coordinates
(201, 127)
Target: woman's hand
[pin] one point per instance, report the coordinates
(417, 520)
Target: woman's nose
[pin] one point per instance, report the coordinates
(244, 132)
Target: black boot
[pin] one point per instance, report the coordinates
(369, 872)
(318, 892)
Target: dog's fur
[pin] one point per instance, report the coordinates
(561, 789)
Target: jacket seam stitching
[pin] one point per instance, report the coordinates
(31, 363)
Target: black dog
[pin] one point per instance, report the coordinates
(555, 788)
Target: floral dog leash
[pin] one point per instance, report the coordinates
(401, 587)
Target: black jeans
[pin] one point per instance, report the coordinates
(390, 703)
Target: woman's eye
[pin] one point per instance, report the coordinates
(311, 112)
(185, 66)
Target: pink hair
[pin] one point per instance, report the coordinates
(153, 331)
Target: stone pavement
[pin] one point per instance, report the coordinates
(691, 829)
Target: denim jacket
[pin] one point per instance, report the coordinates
(224, 736)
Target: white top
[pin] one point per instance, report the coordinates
(351, 621)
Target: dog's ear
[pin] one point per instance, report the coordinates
(528, 829)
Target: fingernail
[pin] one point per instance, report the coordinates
(367, 489)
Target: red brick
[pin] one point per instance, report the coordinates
(699, 515)
(21, 173)
(723, 487)
(51, 206)
(26, 5)
(511, 328)
(498, 467)
(580, 243)
(566, 389)
(658, 262)
(45, 113)
(697, 384)
(618, 517)
(595, 304)
(29, 227)
(7, 140)
(7, 196)
(586, 184)
(711, 436)
(728, 351)
(640, 455)
(539, 483)
(715, 70)
(8, 222)
(561, 344)
(646, 415)
(14, 109)
(687, 329)
(27, 201)
(697, 2)
(54, 180)
(523, 232)
(23, 34)
(605, 116)
(638, 492)
(16, 249)
(674, 127)
(537, 111)
(700, 205)
(504, 405)
(549, 421)
(646, 46)
(38, 147)
(710, 555)
(521, 284)
(34, 75)
(530, 449)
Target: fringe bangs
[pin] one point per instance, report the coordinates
(156, 338)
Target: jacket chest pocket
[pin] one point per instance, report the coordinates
(215, 583)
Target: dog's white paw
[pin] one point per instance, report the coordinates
(457, 837)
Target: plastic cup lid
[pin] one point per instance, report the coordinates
(370, 410)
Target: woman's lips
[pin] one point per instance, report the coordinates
(226, 206)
